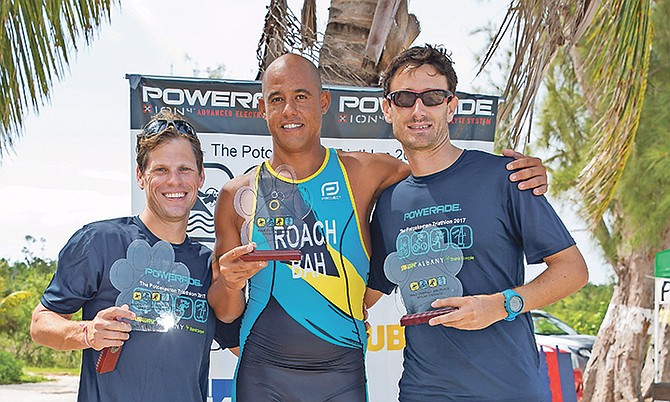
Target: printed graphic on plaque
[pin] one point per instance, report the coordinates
(275, 205)
(152, 283)
(424, 266)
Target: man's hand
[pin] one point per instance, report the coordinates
(368, 327)
(531, 174)
(107, 329)
(473, 312)
(235, 271)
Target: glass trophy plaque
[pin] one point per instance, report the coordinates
(272, 204)
(424, 267)
(151, 284)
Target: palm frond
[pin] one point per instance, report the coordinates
(539, 28)
(36, 42)
(623, 32)
(618, 34)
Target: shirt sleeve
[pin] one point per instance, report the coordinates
(542, 232)
(77, 276)
(228, 335)
(380, 250)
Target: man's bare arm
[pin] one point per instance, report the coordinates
(371, 297)
(58, 331)
(229, 273)
(565, 274)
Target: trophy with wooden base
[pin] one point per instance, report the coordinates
(424, 267)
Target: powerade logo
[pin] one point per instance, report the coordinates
(360, 109)
(436, 209)
(183, 96)
(171, 276)
(364, 104)
(372, 105)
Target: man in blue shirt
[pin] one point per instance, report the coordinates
(147, 262)
(457, 226)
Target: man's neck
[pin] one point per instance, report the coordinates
(304, 164)
(172, 232)
(424, 163)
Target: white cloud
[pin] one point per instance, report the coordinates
(51, 214)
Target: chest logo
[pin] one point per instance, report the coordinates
(330, 190)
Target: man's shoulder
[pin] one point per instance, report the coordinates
(367, 156)
(479, 156)
(370, 164)
(104, 233)
(484, 166)
(109, 225)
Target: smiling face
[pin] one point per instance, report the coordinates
(420, 127)
(170, 181)
(293, 104)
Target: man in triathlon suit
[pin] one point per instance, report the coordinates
(303, 334)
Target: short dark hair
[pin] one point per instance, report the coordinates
(146, 144)
(417, 56)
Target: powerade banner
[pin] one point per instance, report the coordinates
(235, 138)
(224, 106)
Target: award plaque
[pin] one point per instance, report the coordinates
(272, 255)
(424, 267)
(271, 204)
(151, 284)
(422, 318)
(107, 359)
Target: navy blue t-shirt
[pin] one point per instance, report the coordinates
(152, 366)
(473, 226)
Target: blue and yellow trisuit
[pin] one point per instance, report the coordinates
(305, 317)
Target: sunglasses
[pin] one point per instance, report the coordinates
(432, 97)
(158, 126)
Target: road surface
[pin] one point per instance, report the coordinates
(61, 389)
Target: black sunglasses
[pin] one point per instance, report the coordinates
(158, 126)
(431, 97)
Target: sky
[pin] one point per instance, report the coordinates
(72, 164)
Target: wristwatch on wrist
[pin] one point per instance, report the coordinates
(513, 304)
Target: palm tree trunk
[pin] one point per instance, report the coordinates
(614, 372)
(342, 59)
(274, 32)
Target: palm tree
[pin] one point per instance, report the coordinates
(614, 80)
(38, 39)
(605, 52)
(361, 37)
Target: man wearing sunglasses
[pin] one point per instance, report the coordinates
(485, 349)
(303, 334)
(120, 260)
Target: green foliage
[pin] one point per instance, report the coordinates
(645, 185)
(584, 310)
(21, 286)
(38, 40)
(10, 368)
(565, 126)
(639, 212)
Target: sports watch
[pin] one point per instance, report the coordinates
(513, 304)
